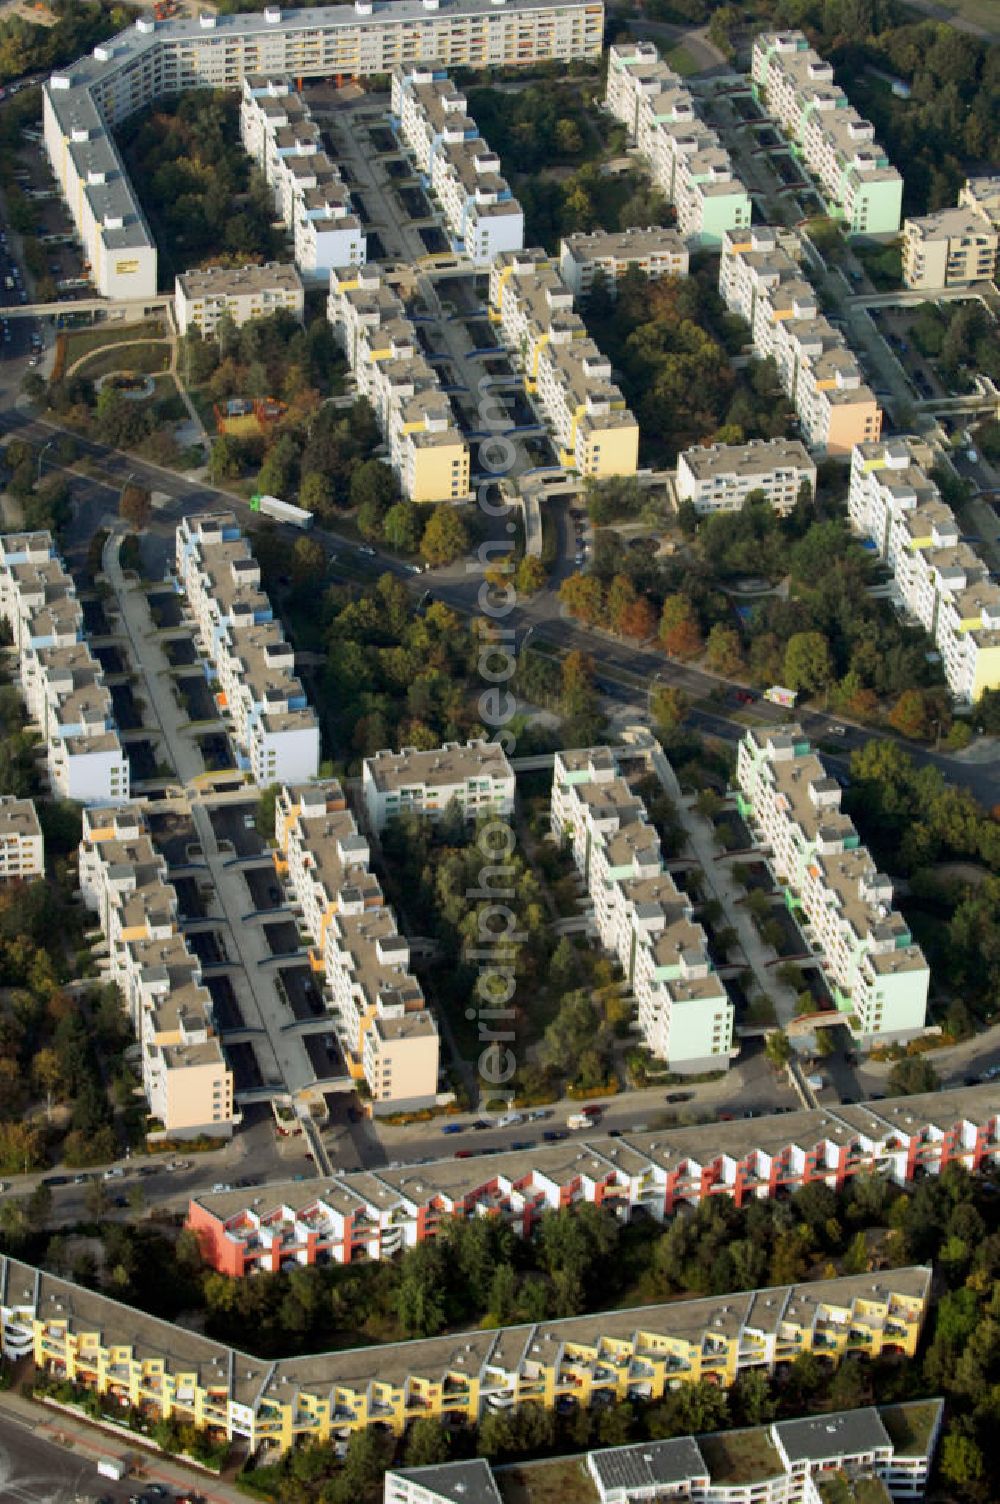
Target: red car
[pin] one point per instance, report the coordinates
(463, 1153)
(592, 1112)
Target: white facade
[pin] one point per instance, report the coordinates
(309, 192)
(684, 1013)
(275, 730)
(938, 578)
(656, 252)
(61, 681)
(153, 58)
(427, 450)
(838, 146)
(388, 1035)
(123, 878)
(482, 215)
(761, 280)
(22, 845)
(877, 975)
(720, 477)
(477, 776)
(952, 247)
(202, 298)
(687, 160)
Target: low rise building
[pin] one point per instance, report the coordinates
(761, 279)
(275, 730)
(169, 1371)
(22, 845)
(476, 776)
(123, 879)
(876, 973)
(937, 577)
(310, 194)
(952, 247)
(686, 158)
(388, 1035)
(886, 1452)
(586, 254)
(203, 298)
(684, 1012)
(361, 1215)
(482, 215)
(720, 477)
(60, 679)
(593, 431)
(861, 187)
(427, 451)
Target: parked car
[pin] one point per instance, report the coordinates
(452, 1128)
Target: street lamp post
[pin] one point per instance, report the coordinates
(41, 455)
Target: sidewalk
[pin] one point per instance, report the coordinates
(86, 1441)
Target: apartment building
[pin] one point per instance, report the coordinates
(563, 370)
(203, 298)
(388, 1034)
(720, 477)
(889, 1450)
(877, 975)
(760, 278)
(476, 776)
(83, 103)
(656, 252)
(952, 247)
(937, 577)
(686, 158)
(60, 680)
(123, 879)
(860, 186)
(482, 215)
(683, 1010)
(309, 191)
(22, 845)
(427, 451)
(245, 654)
(168, 1370)
(650, 1174)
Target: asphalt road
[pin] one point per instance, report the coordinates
(36, 1471)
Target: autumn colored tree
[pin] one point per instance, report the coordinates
(583, 597)
(668, 706)
(680, 633)
(135, 506)
(638, 620)
(445, 537)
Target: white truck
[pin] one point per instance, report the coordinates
(778, 695)
(578, 1120)
(112, 1467)
(281, 511)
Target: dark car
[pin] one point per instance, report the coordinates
(56, 1180)
(553, 1135)
(523, 1143)
(679, 1096)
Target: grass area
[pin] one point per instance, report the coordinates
(565, 1481)
(81, 341)
(910, 1426)
(980, 12)
(740, 1457)
(680, 59)
(144, 357)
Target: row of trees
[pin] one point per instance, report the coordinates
(822, 633)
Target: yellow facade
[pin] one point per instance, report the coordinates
(987, 671)
(276, 1404)
(437, 470)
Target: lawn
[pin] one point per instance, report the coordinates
(142, 357)
(81, 341)
(980, 12)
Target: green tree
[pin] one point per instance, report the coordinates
(723, 650)
(445, 537)
(427, 1444)
(316, 493)
(403, 527)
(373, 482)
(778, 1049)
(912, 1076)
(808, 664)
(669, 706)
